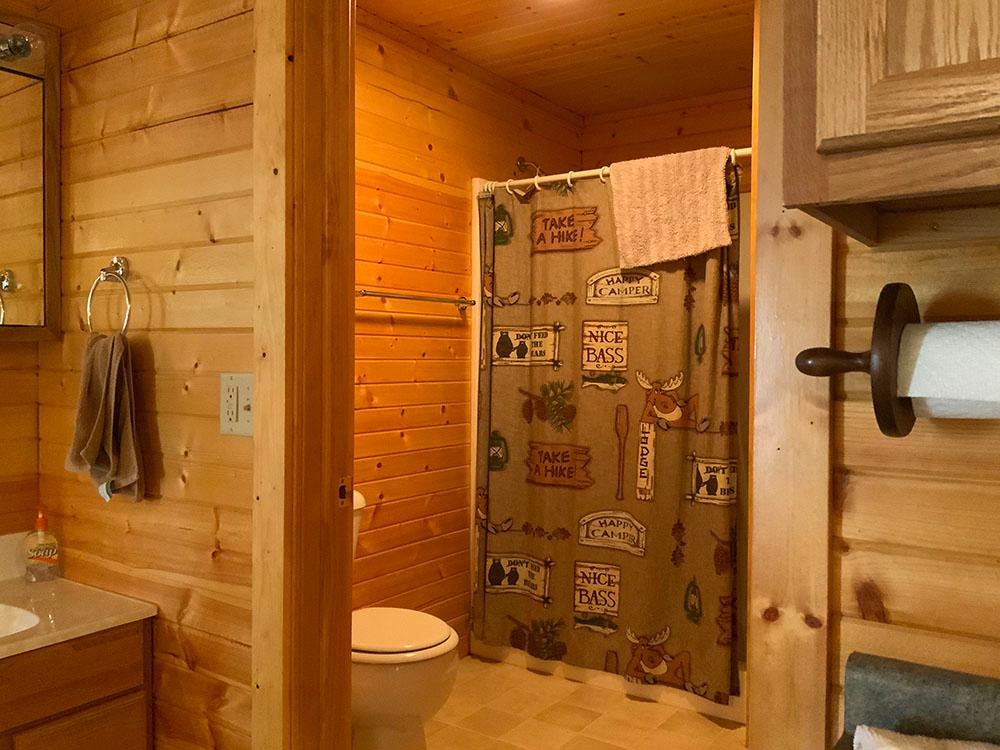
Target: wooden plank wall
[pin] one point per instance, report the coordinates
(427, 123)
(19, 420)
(915, 558)
(157, 167)
(721, 119)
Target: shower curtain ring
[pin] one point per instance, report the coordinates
(537, 186)
(507, 186)
(602, 176)
(569, 179)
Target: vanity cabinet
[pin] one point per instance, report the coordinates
(892, 113)
(89, 692)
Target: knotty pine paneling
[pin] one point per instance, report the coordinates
(427, 125)
(19, 425)
(592, 56)
(721, 119)
(157, 156)
(915, 519)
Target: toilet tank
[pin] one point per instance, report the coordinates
(359, 506)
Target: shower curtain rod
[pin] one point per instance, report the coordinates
(570, 177)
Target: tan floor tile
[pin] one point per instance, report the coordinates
(515, 673)
(470, 666)
(595, 698)
(643, 713)
(537, 735)
(488, 687)
(432, 726)
(457, 707)
(668, 740)
(567, 716)
(491, 722)
(736, 734)
(617, 731)
(693, 725)
(521, 701)
(550, 686)
(581, 742)
(456, 738)
(497, 706)
(727, 742)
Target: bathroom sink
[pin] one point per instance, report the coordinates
(14, 620)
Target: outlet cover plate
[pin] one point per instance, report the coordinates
(236, 403)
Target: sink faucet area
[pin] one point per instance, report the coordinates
(97, 646)
(40, 614)
(36, 615)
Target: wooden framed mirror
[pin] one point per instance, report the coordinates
(30, 285)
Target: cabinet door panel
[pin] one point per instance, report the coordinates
(50, 680)
(892, 72)
(118, 724)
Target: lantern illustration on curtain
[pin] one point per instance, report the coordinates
(498, 455)
(692, 601)
(503, 226)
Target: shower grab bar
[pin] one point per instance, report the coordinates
(461, 302)
(117, 271)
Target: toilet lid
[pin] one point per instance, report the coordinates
(389, 630)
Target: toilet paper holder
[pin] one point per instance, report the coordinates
(896, 309)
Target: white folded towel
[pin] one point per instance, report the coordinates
(872, 738)
(670, 207)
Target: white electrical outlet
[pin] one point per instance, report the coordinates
(236, 403)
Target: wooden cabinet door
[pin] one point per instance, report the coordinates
(892, 72)
(47, 681)
(120, 724)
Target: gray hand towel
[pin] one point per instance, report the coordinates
(105, 442)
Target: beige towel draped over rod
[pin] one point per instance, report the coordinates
(601, 173)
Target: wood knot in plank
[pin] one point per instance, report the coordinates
(771, 614)
(813, 621)
(870, 603)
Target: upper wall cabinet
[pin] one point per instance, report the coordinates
(892, 72)
(892, 108)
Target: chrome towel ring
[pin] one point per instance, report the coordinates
(117, 271)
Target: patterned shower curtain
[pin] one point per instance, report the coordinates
(607, 463)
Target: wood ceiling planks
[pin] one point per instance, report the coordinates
(592, 56)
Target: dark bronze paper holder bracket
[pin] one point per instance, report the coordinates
(897, 308)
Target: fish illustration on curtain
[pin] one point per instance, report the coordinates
(607, 424)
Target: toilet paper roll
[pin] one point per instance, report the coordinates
(951, 370)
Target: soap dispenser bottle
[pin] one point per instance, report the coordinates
(41, 552)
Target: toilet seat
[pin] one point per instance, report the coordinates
(390, 635)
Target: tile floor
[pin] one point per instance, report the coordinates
(498, 706)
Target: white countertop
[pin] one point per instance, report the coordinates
(66, 610)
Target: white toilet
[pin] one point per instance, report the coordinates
(403, 667)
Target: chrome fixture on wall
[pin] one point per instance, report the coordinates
(116, 271)
(461, 302)
(15, 47)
